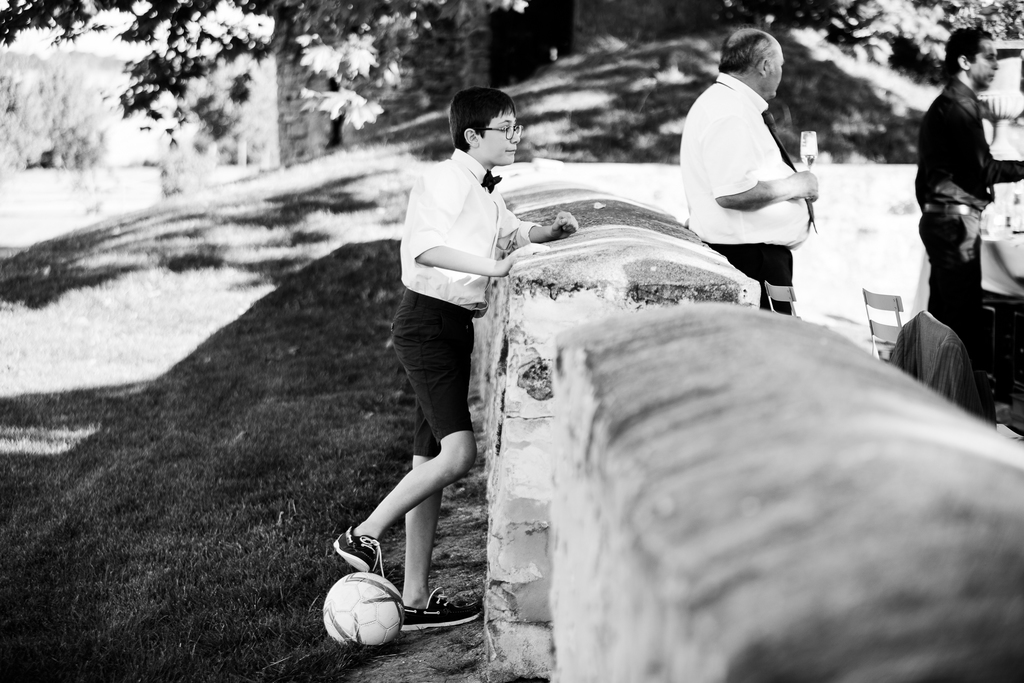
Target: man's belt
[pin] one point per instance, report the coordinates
(952, 209)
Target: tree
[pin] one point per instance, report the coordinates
(359, 43)
(188, 38)
(22, 138)
(73, 116)
(909, 34)
(234, 108)
(47, 111)
(874, 29)
(1003, 19)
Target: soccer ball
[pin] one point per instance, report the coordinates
(363, 608)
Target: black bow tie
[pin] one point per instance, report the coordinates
(490, 181)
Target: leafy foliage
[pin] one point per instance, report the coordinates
(1003, 19)
(907, 32)
(188, 38)
(359, 45)
(235, 110)
(370, 63)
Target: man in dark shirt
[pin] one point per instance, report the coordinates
(955, 174)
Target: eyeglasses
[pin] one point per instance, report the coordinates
(508, 131)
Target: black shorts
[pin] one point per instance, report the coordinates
(434, 342)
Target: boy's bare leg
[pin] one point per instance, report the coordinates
(458, 453)
(420, 528)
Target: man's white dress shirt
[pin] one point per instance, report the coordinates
(727, 149)
(449, 208)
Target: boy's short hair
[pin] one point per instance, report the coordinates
(474, 108)
(965, 42)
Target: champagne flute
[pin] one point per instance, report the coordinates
(808, 147)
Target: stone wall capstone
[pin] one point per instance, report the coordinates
(743, 496)
(625, 257)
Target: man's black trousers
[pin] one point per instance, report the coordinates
(953, 244)
(763, 262)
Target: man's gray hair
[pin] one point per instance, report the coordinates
(744, 49)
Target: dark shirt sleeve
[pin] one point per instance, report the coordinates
(972, 154)
(956, 165)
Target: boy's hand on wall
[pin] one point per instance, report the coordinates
(565, 224)
(505, 264)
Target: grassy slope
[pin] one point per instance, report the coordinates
(176, 523)
(195, 398)
(628, 104)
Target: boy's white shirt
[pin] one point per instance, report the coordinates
(449, 208)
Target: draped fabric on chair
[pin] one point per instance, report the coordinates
(932, 353)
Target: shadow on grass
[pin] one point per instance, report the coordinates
(629, 106)
(267, 236)
(188, 538)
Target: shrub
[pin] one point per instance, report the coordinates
(185, 170)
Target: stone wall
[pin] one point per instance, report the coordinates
(626, 257)
(302, 135)
(742, 496)
(453, 55)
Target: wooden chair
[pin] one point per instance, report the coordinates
(883, 331)
(781, 293)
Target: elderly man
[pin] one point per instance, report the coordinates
(955, 173)
(746, 199)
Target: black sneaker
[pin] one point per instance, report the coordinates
(362, 552)
(441, 611)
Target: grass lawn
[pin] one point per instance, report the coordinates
(196, 398)
(193, 402)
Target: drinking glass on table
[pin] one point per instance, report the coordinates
(808, 147)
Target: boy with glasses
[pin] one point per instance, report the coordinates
(458, 234)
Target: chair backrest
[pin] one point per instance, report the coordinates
(883, 302)
(781, 293)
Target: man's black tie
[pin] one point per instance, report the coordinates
(490, 181)
(769, 121)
